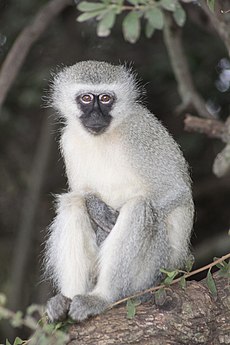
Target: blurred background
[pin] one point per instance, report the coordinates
(31, 166)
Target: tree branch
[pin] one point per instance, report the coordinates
(189, 96)
(175, 281)
(211, 127)
(215, 129)
(221, 27)
(186, 316)
(24, 41)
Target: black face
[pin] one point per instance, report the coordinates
(96, 111)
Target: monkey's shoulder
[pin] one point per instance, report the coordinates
(144, 131)
(152, 150)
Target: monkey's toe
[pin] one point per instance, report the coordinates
(57, 308)
(83, 306)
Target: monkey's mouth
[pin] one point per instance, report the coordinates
(96, 130)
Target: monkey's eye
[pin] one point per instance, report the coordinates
(105, 99)
(87, 98)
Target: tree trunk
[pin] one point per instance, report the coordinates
(186, 316)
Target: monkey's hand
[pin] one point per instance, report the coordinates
(83, 306)
(102, 216)
(57, 308)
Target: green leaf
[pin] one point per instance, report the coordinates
(17, 320)
(137, 2)
(160, 296)
(225, 269)
(211, 283)
(5, 313)
(219, 265)
(133, 2)
(49, 328)
(170, 274)
(7, 342)
(131, 27)
(131, 308)
(179, 15)
(168, 281)
(18, 341)
(189, 263)
(155, 18)
(88, 15)
(182, 282)
(35, 308)
(2, 299)
(85, 6)
(106, 23)
(211, 5)
(149, 30)
(169, 5)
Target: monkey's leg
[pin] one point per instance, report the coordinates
(130, 258)
(71, 251)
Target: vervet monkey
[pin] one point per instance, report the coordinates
(115, 149)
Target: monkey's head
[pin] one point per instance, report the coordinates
(96, 95)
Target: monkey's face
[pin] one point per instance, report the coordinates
(94, 97)
(95, 110)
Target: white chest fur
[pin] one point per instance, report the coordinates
(98, 164)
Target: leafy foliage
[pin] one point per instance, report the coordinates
(160, 296)
(211, 283)
(131, 308)
(152, 12)
(170, 275)
(211, 4)
(224, 268)
(131, 27)
(44, 333)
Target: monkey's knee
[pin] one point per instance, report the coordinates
(57, 308)
(69, 200)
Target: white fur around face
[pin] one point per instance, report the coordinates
(64, 98)
(97, 164)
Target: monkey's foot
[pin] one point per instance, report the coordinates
(83, 306)
(57, 308)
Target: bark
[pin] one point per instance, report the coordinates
(219, 20)
(215, 129)
(187, 316)
(186, 88)
(211, 127)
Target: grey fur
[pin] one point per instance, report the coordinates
(103, 217)
(148, 230)
(84, 306)
(58, 307)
